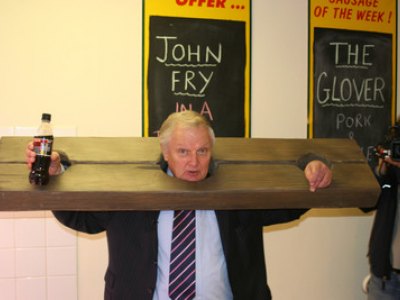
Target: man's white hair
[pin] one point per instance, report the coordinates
(183, 119)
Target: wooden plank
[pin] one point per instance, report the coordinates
(285, 150)
(147, 150)
(146, 187)
(122, 173)
(88, 149)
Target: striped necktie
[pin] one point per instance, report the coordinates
(182, 273)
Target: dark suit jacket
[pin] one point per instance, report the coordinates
(133, 243)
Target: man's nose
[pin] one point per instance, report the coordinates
(193, 159)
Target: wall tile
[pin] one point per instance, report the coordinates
(49, 214)
(30, 232)
(65, 131)
(66, 284)
(7, 289)
(6, 131)
(6, 214)
(30, 262)
(24, 131)
(58, 235)
(7, 263)
(31, 289)
(24, 259)
(61, 261)
(29, 214)
(7, 233)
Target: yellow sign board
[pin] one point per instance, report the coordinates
(352, 63)
(197, 56)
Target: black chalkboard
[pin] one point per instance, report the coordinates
(197, 64)
(352, 86)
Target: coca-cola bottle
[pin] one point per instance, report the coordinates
(42, 144)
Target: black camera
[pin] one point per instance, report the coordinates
(391, 146)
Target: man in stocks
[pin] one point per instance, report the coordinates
(228, 247)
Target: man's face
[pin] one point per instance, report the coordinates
(189, 153)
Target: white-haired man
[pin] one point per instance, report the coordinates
(228, 251)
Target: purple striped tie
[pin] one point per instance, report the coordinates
(182, 268)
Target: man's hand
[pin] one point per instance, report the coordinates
(383, 164)
(318, 175)
(55, 165)
(390, 161)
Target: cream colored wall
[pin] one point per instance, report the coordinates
(78, 59)
(81, 61)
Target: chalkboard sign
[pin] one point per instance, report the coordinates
(197, 64)
(352, 86)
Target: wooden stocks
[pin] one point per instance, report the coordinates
(123, 174)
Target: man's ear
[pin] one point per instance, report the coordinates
(165, 153)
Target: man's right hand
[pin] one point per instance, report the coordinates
(55, 165)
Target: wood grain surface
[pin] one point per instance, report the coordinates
(123, 174)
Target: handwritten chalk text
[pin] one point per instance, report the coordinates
(177, 52)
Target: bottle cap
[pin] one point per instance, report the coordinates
(46, 117)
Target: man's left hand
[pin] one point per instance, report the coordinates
(318, 174)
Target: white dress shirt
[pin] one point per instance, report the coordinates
(211, 273)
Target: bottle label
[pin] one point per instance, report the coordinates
(43, 145)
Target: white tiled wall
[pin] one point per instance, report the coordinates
(38, 256)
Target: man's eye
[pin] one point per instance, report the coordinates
(182, 151)
(202, 151)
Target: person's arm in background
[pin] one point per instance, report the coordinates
(385, 175)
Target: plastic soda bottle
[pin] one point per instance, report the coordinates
(43, 145)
